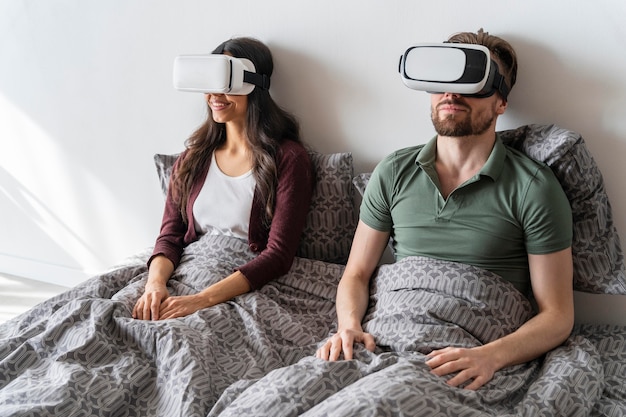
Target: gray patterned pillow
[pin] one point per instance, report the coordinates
(331, 221)
(598, 257)
(164, 165)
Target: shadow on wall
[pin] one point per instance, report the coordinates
(307, 87)
(574, 97)
(23, 215)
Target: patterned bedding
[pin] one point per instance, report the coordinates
(417, 305)
(80, 353)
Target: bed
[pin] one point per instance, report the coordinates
(80, 353)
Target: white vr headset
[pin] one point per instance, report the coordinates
(217, 74)
(460, 68)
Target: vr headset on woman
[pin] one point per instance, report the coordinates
(452, 68)
(217, 74)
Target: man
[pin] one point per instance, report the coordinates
(466, 197)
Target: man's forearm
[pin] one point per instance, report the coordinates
(352, 301)
(537, 336)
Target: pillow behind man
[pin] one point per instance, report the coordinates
(596, 246)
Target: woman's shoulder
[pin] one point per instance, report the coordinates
(292, 150)
(293, 160)
(292, 145)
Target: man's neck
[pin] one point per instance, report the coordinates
(463, 150)
(460, 158)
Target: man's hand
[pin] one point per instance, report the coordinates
(343, 341)
(353, 294)
(473, 365)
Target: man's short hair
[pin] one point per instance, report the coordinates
(502, 52)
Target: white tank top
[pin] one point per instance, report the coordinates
(224, 203)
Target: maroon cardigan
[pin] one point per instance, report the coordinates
(276, 245)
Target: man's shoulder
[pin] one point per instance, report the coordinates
(408, 151)
(518, 160)
(519, 157)
(527, 168)
(402, 156)
(398, 163)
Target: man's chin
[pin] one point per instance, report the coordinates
(451, 129)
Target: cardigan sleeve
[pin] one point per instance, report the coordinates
(171, 239)
(293, 199)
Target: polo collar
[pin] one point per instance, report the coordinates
(492, 168)
(426, 157)
(495, 163)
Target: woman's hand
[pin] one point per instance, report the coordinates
(149, 304)
(157, 304)
(180, 306)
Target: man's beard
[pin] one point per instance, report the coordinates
(467, 126)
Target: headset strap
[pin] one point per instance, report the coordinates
(260, 80)
(499, 83)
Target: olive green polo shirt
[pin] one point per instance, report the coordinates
(513, 206)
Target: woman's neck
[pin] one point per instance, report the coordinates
(234, 157)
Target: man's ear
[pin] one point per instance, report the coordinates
(501, 105)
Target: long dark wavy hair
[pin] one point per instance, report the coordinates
(267, 126)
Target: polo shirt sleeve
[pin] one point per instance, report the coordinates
(375, 208)
(547, 215)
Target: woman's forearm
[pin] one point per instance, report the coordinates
(160, 271)
(224, 290)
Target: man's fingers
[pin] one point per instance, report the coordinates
(331, 350)
(343, 342)
(337, 342)
(369, 342)
(347, 346)
(478, 382)
(322, 352)
(135, 309)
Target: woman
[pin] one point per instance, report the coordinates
(244, 173)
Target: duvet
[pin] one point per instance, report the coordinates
(418, 305)
(81, 353)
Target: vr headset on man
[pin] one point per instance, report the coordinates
(217, 74)
(460, 68)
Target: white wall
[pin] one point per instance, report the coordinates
(86, 99)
